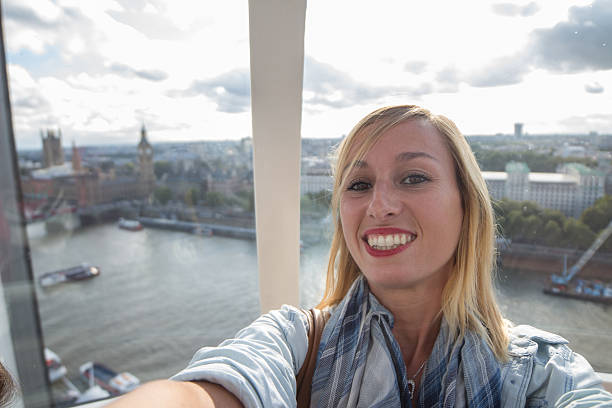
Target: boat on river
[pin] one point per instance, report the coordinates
(591, 290)
(55, 369)
(65, 393)
(109, 380)
(130, 225)
(75, 273)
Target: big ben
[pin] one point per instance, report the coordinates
(145, 153)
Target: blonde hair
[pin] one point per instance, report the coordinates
(468, 298)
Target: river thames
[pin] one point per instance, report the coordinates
(161, 295)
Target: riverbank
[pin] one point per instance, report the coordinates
(546, 264)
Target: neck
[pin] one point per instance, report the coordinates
(417, 317)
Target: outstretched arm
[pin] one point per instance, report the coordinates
(167, 393)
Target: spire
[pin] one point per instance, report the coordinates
(143, 137)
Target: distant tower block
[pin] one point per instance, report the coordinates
(518, 129)
(145, 153)
(53, 154)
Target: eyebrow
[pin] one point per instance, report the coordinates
(405, 156)
(413, 155)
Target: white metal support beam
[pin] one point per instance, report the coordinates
(276, 29)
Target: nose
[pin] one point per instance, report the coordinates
(384, 202)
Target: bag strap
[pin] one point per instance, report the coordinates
(316, 323)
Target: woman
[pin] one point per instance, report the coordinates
(8, 387)
(414, 321)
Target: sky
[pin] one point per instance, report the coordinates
(99, 69)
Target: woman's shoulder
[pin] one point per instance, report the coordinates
(527, 340)
(542, 366)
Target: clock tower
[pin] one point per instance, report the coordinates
(145, 154)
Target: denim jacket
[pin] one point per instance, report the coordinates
(542, 369)
(260, 363)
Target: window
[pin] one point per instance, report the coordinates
(485, 81)
(132, 128)
(497, 69)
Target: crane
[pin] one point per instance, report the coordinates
(567, 275)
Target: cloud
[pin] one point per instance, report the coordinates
(231, 91)
(415, 67)
(500, 72)
(127, 71)
(328, 86)
(581, 43)
(594, 87)
(146, 19)
(514, 10)
(584, 42)
(598, 122)
(45, 14)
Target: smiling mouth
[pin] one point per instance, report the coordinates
(388, 242)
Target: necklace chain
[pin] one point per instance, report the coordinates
(412, 382)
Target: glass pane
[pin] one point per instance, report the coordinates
(527, 84)
(132, 125)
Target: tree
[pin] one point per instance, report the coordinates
(532, 228)
(577, 235)
(246, 200)
(515, 225)
(163, 195)
(552, 233)
(553, 215)
(128, 169)
(599, 215)
(162, 167)
(214, 199)
(192, 196)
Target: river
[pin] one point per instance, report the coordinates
(163, 294)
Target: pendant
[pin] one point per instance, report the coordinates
(411, 386)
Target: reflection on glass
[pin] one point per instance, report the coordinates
(131, 125)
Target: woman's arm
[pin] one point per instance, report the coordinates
(167, 393)
(256, 368)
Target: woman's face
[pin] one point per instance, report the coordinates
(401, 209)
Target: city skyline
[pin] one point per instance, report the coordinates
(98, 70)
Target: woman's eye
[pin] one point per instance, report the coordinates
(415, 179)
(358, 186)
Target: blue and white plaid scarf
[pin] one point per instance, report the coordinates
(360, 363)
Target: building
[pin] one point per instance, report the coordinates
(146, 168)
(316, 179)
(80, 186)
(53, 154)
(571, 190)
(518, 129)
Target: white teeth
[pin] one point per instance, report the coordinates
(391, 241)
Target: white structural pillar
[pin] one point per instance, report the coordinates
(276, 29)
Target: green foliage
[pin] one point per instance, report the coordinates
(162, 167)
(495, 160)
(599, 215)
(214, 199)
(246, 200)
(552, 234)
(127, 169)
(318, 202)
(525, 222)
(192, 197)
(163, 195)
(577, 235)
